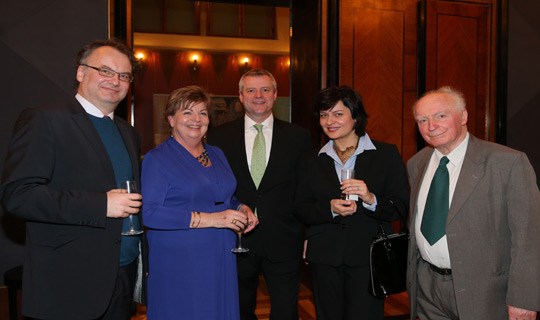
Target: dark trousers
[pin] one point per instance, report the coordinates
(342, 293)
(121, 305)
(282, 279)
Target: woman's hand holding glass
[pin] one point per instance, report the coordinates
(231, 219)
(343, 207)
(252, 220)
(240, 221)
(358, 187)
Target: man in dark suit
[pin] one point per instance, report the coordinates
(62, 175)
(276, 244)
(475, 257)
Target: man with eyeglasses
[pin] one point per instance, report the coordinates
(62, 175)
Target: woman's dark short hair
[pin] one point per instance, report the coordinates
(87, 50)
(185, 98)
(329, 97)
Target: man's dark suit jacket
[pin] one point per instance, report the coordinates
(279, 228)
(335, 241)
(56, 177)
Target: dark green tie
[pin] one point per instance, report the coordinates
(437, 205)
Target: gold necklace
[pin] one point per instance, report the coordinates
(345, 154)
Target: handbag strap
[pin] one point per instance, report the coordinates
(402, 228)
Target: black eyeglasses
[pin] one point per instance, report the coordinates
(108, 73)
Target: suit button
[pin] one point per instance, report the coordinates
(343, 226)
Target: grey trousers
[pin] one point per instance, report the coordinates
(436, 296)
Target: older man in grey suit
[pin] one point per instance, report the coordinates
(475, 221)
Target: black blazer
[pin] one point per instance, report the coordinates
(279, 231)
(56, 177)
(335, 241)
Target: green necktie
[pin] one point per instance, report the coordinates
(258, 157)
(437, 204)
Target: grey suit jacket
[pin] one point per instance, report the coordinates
(493, 231)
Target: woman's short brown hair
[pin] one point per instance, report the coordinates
(185, 98)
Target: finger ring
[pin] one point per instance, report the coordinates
(357, 188)
(234, 221)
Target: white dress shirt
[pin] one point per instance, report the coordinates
(364, 143)
(437, 254)
(92, 109)
(250, 132)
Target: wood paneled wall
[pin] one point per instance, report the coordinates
(378, 41)
(218, 72)
(460, 52)
(305, 62)
(392, 51)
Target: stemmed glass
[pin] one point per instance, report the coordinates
(239, 249)
(129, 185)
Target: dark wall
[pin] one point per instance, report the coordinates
(523, 85)
(38, 43)
(305, 62)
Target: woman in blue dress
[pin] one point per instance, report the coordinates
(191, 216)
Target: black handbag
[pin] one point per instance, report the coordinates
(388, 263)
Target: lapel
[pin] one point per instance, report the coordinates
(328, 168)
(421, 166)
(82, 120)
(361, 168)
(238, 147)
(278, 139)
(362, 164)
(471, 173)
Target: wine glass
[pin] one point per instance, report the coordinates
(239, 249)
(129, 185)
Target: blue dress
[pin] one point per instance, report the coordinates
(192, 272)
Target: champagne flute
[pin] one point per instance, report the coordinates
(129, 185)
(239, 248)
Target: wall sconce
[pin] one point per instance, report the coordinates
(245, 61)
(140, 56)
(195, 58)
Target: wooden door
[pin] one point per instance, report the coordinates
(460, 52)
(378, 58)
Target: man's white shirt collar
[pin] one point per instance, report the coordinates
(92, 109)
(267, 123)
(457, 155)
